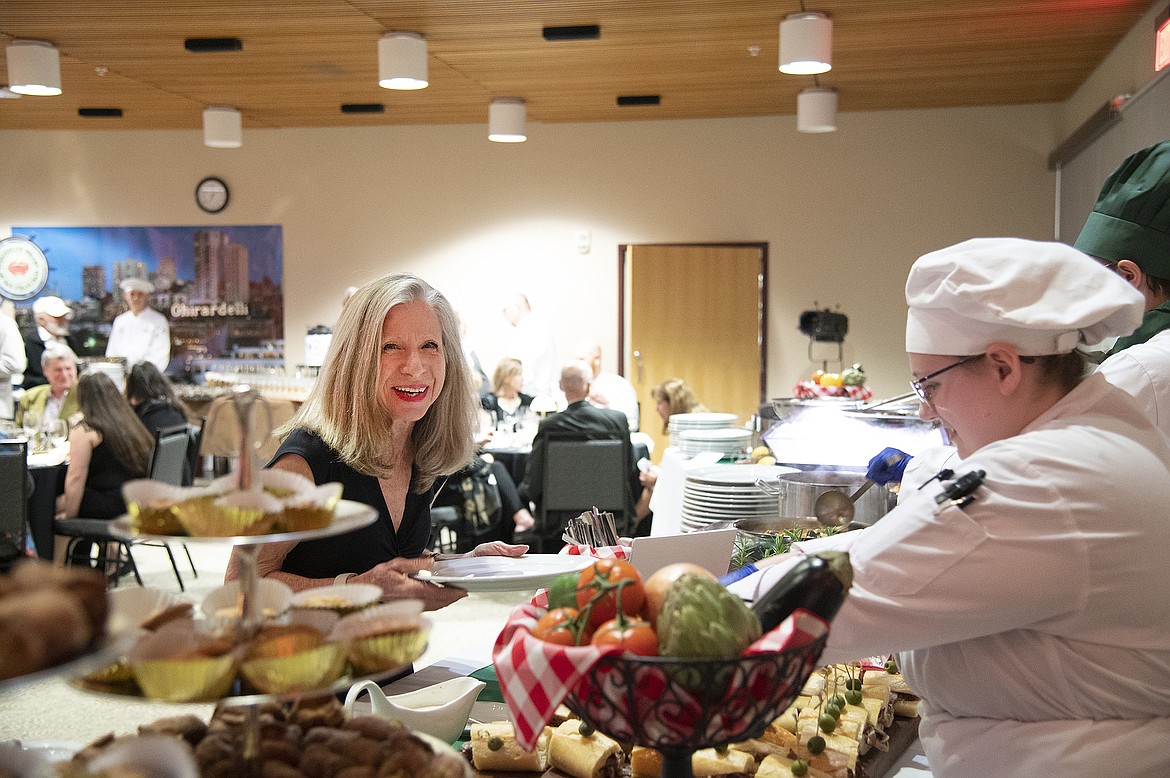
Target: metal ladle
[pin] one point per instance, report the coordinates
(833, 508)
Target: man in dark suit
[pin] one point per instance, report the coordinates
(580, 421)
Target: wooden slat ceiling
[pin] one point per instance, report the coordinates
(302, 59)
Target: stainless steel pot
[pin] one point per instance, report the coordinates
(797, 493)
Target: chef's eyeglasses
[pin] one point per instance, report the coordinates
(925, 391)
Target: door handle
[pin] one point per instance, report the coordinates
(638, 362)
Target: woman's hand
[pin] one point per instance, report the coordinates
(497, 548)
(394, 578)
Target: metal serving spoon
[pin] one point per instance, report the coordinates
(833, 508)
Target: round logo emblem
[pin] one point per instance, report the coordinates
(24, 271)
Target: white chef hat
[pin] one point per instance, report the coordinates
(1043, 298)
(137, 285)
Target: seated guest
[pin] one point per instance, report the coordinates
(609, 390)
(56, 399)
(389, 443)
(507, 403)
(155, 402)
(579, 421)
(674, 396)
(486, 496)
(109, 447)
(154, 398)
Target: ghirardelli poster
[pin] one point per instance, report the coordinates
(220, 288)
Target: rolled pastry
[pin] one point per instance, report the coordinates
(509, 756)
(584, 756)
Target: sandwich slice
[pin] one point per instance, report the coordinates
(494, 748)
(732, 763)
(775, 766)
(580, 752)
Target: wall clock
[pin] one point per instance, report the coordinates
(212, 194)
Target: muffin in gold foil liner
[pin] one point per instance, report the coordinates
(151, 506)
(379, 653)
(309, 509)
(292, 659)
(201, 679)
(242, 513)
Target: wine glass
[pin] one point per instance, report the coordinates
(32, 428)
(57, 431)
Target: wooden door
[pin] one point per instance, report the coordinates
(695, 312)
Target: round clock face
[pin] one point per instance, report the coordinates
(212, 194)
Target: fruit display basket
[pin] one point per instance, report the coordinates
(678, 706)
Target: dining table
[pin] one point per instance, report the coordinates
(47, 470)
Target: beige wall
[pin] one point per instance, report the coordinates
(845, 214)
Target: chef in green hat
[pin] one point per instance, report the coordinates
(1129, 230)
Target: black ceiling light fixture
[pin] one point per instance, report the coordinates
(639, 99)
(212, 45)
(112, 113)
(572, 32)
(363, 108)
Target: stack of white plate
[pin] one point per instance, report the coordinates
(728, 443)
(728, 493)
(683, 422)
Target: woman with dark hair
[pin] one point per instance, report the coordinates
(391, 415)
(109, 447)
(153, 398)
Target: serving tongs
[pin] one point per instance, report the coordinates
(888, 401)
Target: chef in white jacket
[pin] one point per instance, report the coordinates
(141, 333)
(1032, 614)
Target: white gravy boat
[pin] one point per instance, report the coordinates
(441, 710)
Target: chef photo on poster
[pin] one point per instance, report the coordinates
(182, 297)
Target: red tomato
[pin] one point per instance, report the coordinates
(619, 581)
(559, 625)
(634, 635)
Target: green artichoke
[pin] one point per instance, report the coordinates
(702, 620)
(853, 376)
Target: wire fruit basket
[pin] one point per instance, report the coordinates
(678, 706)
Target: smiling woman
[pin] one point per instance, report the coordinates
(392, 413)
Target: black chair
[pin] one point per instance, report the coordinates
(580, 475)
(14, 484)
(194, 443)
(166, 465)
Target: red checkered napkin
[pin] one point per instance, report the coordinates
(540, 599)
(535, 676)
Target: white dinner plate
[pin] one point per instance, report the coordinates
(504, 574)
(347, 517)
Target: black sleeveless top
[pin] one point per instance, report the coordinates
(362, 549)
(102, 498)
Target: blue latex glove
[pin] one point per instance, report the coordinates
(735, 575)
(887, 466)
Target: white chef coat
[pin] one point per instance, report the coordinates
(531, 342)
(1035, 622)
(1143, 370)
(146, 336)
(618, 393)
(12, 362)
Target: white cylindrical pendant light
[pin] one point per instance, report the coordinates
(816, 110)
(222, 127)
(806, 44)
(506, 118)
(402, 61)
(34, 68)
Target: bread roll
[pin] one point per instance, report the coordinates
(507, 755)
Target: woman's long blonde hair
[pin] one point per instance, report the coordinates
(678, 396)
(105, 409)
(343, 408)
(505, 369)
